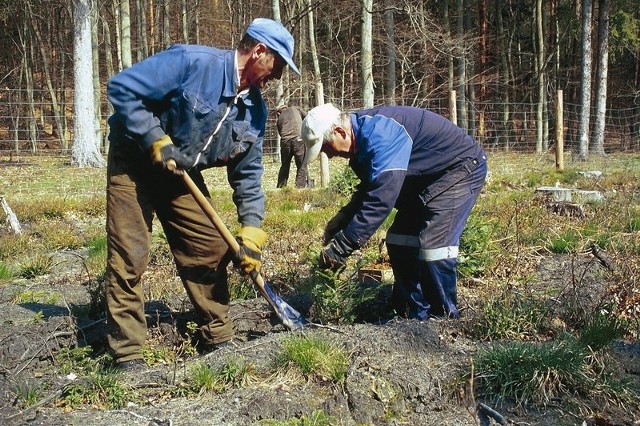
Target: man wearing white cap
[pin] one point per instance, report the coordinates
(200, 107)
(420, 163)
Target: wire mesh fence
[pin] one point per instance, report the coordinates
(30, 126)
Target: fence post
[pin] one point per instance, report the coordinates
(559, 133)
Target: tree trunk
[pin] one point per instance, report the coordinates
(450, 55)
(166, 24)
(57, 114)
(95, 67)
(601, 77)
(324, 160)
(367, 53)
(85, 151)
(483, 16)
(461, 68)
(585, 82)
(391, 54)
(541, 80)
(125, 33)
(141, 30)
(501, 136)
(471, 88)
(185, 22)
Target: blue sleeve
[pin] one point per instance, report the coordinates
(245, 174)
(137, 91)
(383, 148)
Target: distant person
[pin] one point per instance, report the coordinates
(201, 107)
(420, 163)
(291, 145)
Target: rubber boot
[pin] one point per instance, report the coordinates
(439, 285)
(407, 298)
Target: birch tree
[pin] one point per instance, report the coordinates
(601, 77)
(585, 82)
(367, 53)
(125, 33)
(86, 151)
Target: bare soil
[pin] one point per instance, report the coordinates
(402, 372)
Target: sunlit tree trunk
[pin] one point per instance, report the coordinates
(366, 54)
(601, 77)
(504, 79)
(585, 81)
(85, 152)
(95, 67)
(125, 33)
(541, 80)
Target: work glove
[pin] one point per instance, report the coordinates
(335, 255)
(163, 150)
(251, 240)
(334, 225)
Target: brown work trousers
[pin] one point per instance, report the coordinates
(135, 191)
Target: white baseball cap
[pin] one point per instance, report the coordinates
(314, 126)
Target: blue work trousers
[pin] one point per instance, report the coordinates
(423, 241)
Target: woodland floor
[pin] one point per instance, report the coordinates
(401, 372)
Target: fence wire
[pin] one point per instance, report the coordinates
(28, 124)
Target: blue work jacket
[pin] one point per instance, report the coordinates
(401, 152)
(189, 92)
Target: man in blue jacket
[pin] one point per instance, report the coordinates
(420, 163)
(200, 107)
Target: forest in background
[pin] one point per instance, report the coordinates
(494, 67)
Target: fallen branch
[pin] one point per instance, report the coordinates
(485, 413)
(12, 219)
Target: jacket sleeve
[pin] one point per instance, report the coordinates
(245, 173)
(384, 149)
(136, 92)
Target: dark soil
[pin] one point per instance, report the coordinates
(402, 372)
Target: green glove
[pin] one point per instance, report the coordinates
(251, 240)
(163, 150)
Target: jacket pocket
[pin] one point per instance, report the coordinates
(243, 137)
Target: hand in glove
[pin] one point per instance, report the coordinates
(251, 240)
(334, 225)
(335, 255)
(163, 150)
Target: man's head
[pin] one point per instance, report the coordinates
(267, 47)
(325, 129)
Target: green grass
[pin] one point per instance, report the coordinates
(203, 378)
(315, 358)
(316, 418)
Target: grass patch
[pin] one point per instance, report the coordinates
(101, 390)
(315, 358)
(539, 373)
(5, 271)
(203, 378)
(316, 418)
(40, 264)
